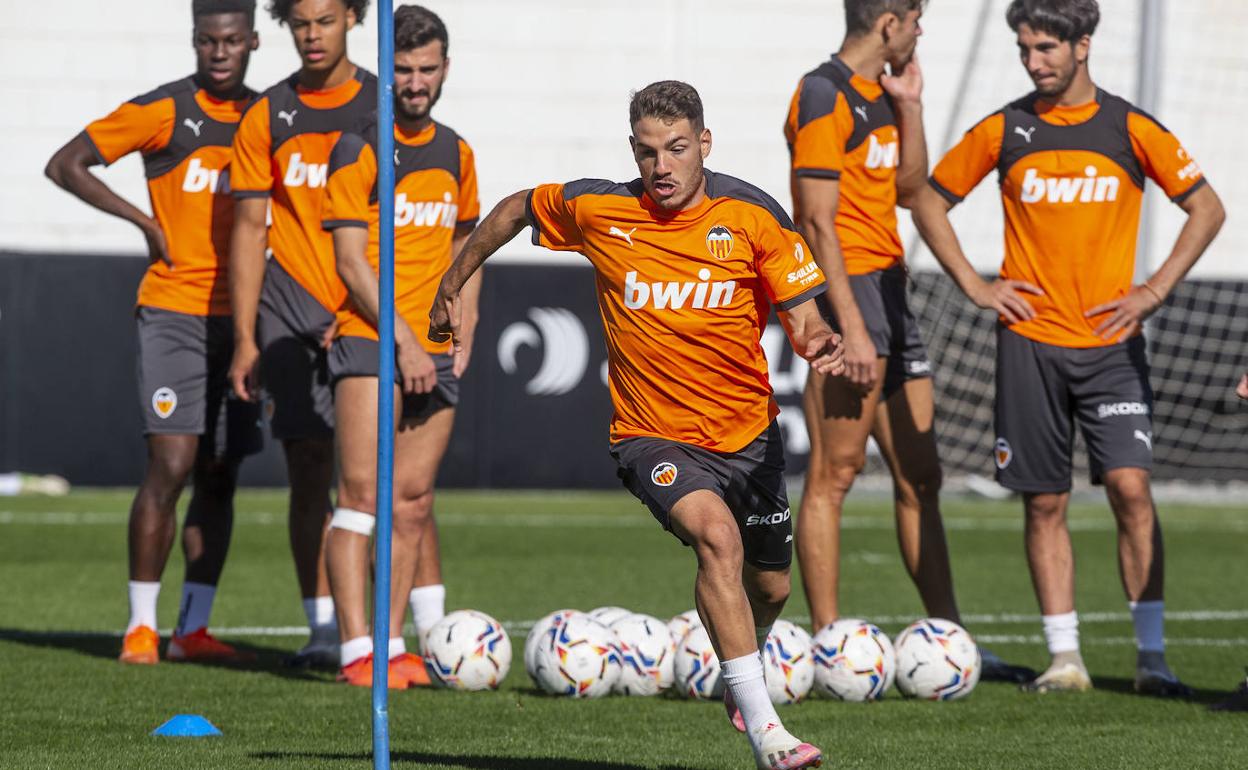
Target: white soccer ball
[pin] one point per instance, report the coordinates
(608, 615)
(854, 661)
(788, 666)
(937, 660)
(536, 633)
(697, 668)
(647, 653)
(577, 658)
(683, 624)
(467, 650)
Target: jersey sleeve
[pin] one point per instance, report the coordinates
(553, 219)
(784, 262)
(352, 177)
(145, 126)
(469, 204)
(970, 160)
(1163, 157)
(821, 127)
(251, 163)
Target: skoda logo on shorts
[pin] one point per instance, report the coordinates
(1002, 453)
(664, 474)
(164, 401)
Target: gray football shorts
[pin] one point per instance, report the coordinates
(660, 472)
(293, 366)
(184, 389)
(358, 357)
(1043, 390)
(881, 298)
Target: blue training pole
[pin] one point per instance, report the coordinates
(385, 381)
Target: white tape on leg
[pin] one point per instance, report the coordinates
(353, 521)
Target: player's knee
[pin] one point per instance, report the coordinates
(920, 485)
(309, 460)
(1047, 510)
(413, 509)
(835, 475)
(771, 588)
(1128, 490)
(718, 546)
(358, 493)
(169, 470)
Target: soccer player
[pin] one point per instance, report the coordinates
(435, 209)
(1072, 161)
(688, 263)
(284, 310)
(857, 151)
(194, 429)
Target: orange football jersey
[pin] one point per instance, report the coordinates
(1072, 181)
(435, 192)
(282, 150)
(684, 298)
(184, 136)
(842, 126)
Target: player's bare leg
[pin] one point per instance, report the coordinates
(1051, 559)
(767, 591)
(1141, 564)
(310, 468)
(703, 520)
(428, 595)
(839, 419)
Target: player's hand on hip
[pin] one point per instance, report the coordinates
(418, 373)
(1124, 315)
(1006, 298)
(860, 359)
(907, 85)
(826, 354)
(244, 371)
(1242, 389)
(157, 246)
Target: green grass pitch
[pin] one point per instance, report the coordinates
(67, 702)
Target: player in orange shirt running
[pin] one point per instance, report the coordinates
(194, 428)
(688, 264)
(1073, 161)
(435, 210)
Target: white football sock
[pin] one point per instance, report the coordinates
(428, 607)
(761, 633)
(321, 618)
(744, 677)
(354, 649)
(143, 597)
(1149, 621)
(10, 484)
(1062, 632)
(196, 607)
(397, 647)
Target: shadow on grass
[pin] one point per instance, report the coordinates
(102, 644)
(475, 763)
(1117, 684)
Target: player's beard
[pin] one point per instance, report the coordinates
(1058, 86)
(418, 114)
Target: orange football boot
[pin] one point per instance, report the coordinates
(203, 646)
(359, 673)
(140, 645)
(412, 668)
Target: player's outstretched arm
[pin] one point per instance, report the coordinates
(446, 317)
(1123, 316)
(248, 240)
(906, 90)
(470, 297)
(70, 169)
(931, 216)
(813, 339)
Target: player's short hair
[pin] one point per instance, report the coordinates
(280, 9)
(861, 15)
(416, 26)
(214, 7)
(669, 101)
(1065, 20)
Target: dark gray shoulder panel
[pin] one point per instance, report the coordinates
(817, 98)
(346, 151)
(724, 186)
(599, 187)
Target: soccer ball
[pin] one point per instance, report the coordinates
(539, 629)
(467, 650)
(683, 624)
(697, 668)
(788, 666)
(937, 660)
(608, 615)
(854, 661)
(647, 653)
(577, 658)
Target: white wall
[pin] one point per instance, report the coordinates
(540, 89)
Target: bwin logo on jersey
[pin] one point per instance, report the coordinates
(299, 173)
(1089, 188)
(199, 177)
(768, 519)
(425, 213)
(882, 155)
(674, 294)
(565, 350)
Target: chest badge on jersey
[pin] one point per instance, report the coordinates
(719, 242)
(664, 474)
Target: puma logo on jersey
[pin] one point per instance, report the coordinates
(882, 155)
(425, 213)
(664, 295)
(200, 178)
(862, 112)
(1089, 188)
(299, 173)
(628, 236)
(1025, 132)
(194, 125)
(289, 117)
